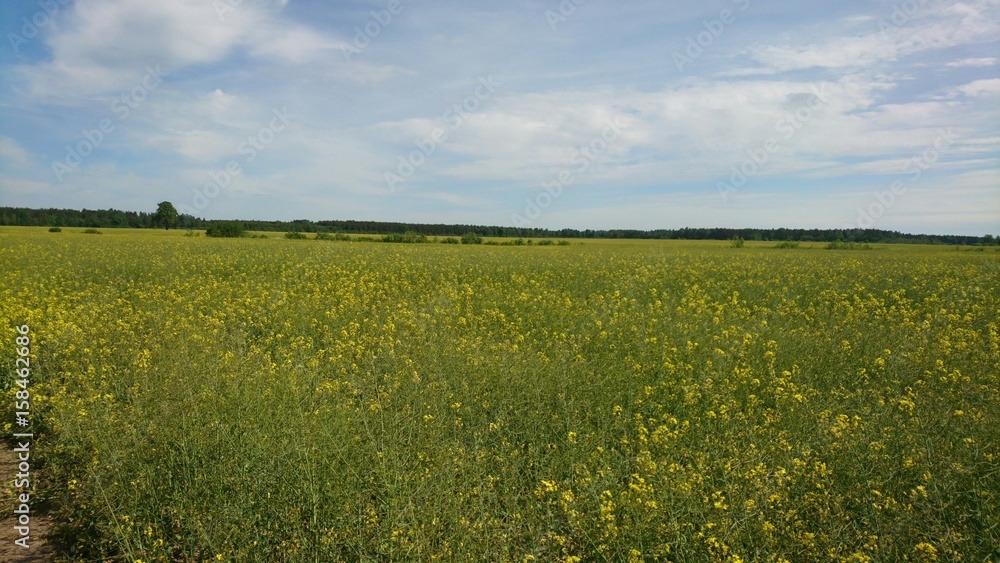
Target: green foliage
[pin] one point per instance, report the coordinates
(91, 232)
(323, 236)
(55, 230)
(409, 237)
(471, 238)
(226, 229)
(165, 214)
(114, 218)
(737, 242)
(841, 245)
(787, 244)
(546, 242)
(295, 236)
(450, 240)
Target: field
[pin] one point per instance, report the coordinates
(289, 400)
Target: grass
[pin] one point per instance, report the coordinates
(280, 400)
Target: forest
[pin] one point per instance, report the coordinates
(114, 218)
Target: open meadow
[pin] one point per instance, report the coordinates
(311, 400)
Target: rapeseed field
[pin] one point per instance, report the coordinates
(301, 400)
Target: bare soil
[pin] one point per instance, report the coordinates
(39, 548)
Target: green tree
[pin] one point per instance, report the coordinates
(165, 215)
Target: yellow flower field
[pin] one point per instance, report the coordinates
(289, 400)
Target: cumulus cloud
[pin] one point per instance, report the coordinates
(104, 46)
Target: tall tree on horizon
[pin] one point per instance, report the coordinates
(165, 215)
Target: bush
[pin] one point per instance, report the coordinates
(545, 242)
(227, 229)
(92, 232)
(471, 238)
(737, 242)
(409, 237)
(323, 236)
(450, 240)
(840, 245)
(191, 233)
(295, 236)
(341, 236)
(787, 244)
(55, 230)
(563, 243)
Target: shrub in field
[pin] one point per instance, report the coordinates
(295, 236)
(341, 236)
(841, 245)
(471, 238)
(450, 240)
(787, 244)
(227, 229)
(323, 236)
(413, 237)
(409, 237)
(55, 230)
(737, 242)
(91, 232)
(545, 242)
(563, 243)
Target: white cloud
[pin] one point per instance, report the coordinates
(12, 154)
(887, 97)
(986, 87)
(973, 62)
(851, 45)
(102, 47)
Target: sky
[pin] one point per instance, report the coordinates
(544, 113)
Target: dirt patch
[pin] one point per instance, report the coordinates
(38, 548)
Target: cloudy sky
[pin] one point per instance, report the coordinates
(579, 113)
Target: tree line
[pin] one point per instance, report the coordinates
(113, 218)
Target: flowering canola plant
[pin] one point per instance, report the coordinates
(282, 400)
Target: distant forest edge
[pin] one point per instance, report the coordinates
(113, 218)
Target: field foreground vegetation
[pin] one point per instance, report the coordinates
(282, 400)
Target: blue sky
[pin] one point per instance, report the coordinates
(579, 113)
